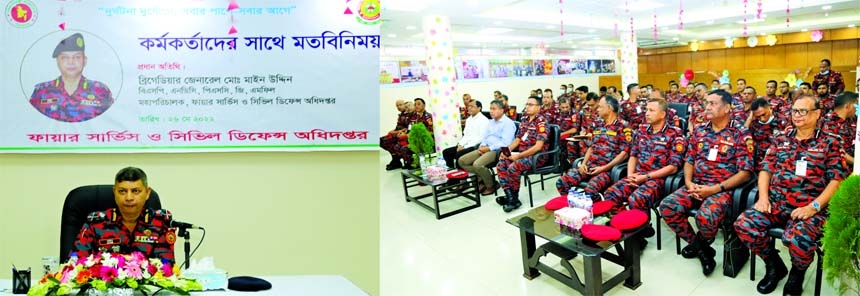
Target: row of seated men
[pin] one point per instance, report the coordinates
(799, 170)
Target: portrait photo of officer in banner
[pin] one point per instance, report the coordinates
(71, 97)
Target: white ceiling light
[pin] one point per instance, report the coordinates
(675, 38)
(570, 42)
(596, 38)
(591, 30)
(751, 21)
(804, 30)
(498, 23)
(392, 35)
(710, 22)
(515, 44)
(642, 5)
(573, 46)
(410, 28)
(851, 26)
(491, 31)
(550, 27)
(826, 7)
(476, 44)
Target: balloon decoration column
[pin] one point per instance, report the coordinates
(442, 100)
(629, 57)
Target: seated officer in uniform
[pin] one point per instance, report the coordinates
(71, 97)
(801, 171)
(609, 147)
(130, 227)
(528, 142)
(842, 121)
(719, 158)
(657, 152)
(764, 126)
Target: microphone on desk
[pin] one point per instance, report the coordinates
(182, 225)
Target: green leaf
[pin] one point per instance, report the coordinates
(132, 283)
(842, 237)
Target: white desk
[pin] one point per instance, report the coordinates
(299, 285)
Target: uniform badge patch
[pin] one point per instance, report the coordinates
(171, 237)
(541, 129)
(701, 145)
(724, 149)
(750, 145)
(679, 147)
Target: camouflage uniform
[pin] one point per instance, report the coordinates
(653, 150)
(105, 232)
(531, 131)
(789, 191)
(609, 141)
(734, 149)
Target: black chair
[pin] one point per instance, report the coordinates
(776, 234)
(673, 182)
(740, 202)
(82, 201)
(551, 167)
(683, 110)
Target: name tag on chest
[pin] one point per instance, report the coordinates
(145, 239)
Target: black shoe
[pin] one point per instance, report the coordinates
(513, 203)
(794, 284)
(691, 250)
(503, 200)
(706, 257)
(393, 165)
(775, 271)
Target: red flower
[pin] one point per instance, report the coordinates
(108, 273)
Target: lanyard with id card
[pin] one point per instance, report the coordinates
(712, 154)
(800, 169)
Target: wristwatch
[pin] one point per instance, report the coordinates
(648, 176)
(722, 188)
(816, 205)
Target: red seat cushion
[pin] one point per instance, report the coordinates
(457, 175)
(629, 219)
(556, 203)
(598, 233)
(602, 207)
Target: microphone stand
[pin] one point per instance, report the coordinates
(183, 232)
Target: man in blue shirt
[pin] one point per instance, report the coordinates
(500, 133)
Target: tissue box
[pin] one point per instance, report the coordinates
(572, 217)
(435, 174)
(210, 280)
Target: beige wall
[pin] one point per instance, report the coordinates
(265, 213)
(517, 90)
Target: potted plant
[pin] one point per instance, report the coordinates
(420, 142)
(841, 241)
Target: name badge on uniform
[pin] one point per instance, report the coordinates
(147, 239)
(638, 109)
(712, 154)
(800, 169)
(525, 136)
(611, 133)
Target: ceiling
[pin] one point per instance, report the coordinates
(591, 25)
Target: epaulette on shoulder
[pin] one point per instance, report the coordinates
(162, 214)
(97, 216)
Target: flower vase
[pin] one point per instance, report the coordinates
(111, 292)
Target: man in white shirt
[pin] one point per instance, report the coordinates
(497, 134)
(476, 127)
